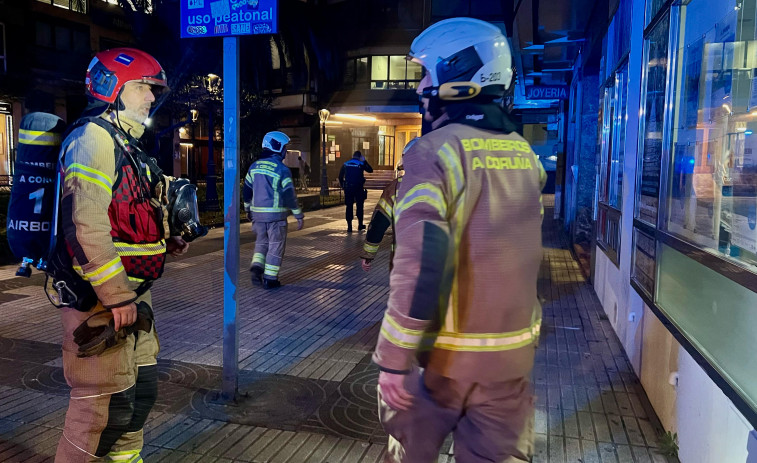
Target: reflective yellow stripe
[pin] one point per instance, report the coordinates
(258, 258)
(130, 456)
(266, 163)
(269, 209)
(144, 249)
(384, 204)
(137, 280)
(103, 273)
(271, 270)
(541, 206)
(297, 211)
(371, 248)
(459, 221)
(39, 138)
(454, 169)
(276, 192)
(488, 342)
(423, 193)
(90, 174)
(89, 179)
(287, 181)
(265, 172)
(399, 336)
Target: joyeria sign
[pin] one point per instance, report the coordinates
(547, 92)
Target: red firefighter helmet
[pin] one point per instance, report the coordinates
(109, 70)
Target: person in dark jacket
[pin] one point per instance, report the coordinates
(352, 179)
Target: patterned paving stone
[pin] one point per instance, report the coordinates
(305, 359)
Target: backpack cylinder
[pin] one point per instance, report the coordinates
(33, 195)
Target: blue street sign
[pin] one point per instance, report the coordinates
(224, 18)
(547, 92)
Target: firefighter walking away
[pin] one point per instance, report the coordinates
(456, 346)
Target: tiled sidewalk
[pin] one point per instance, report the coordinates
(308, 388)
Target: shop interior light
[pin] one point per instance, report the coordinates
(356, 117)
(334, 122)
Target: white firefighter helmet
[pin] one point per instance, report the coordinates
(275, 141)
(463, 56)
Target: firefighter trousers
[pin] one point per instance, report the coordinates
(490, 422)
(270, 244)
(111, 395)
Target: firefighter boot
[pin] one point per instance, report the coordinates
(257, 274)
(271, 284)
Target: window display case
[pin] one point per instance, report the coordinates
(651, 143)
(695, 251)
(712, 200)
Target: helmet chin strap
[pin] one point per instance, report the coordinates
(434, 110)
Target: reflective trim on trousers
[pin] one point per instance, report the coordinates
(271, 270)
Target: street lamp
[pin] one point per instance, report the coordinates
(212, 84)
(323, 115)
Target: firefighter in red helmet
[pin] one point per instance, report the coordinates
(116, 234)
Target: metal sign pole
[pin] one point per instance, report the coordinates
(231, 217)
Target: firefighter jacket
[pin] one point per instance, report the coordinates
(468, 217)
(351, 175)
(269, 191)
(382, 219)
(112, 211)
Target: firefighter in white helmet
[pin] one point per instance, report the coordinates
(269, 196)
(456, 346)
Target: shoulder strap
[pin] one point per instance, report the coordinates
(116, 134)
(125, 144)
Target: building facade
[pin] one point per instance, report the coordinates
(674, 208)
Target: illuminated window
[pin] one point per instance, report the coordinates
(79, 6)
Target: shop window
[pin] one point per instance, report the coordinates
(643, 266)
(612, 148)
(653, 7)
(79, 6)
(651, 133)
(613, 135)
(618, 38)
(712, 200)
